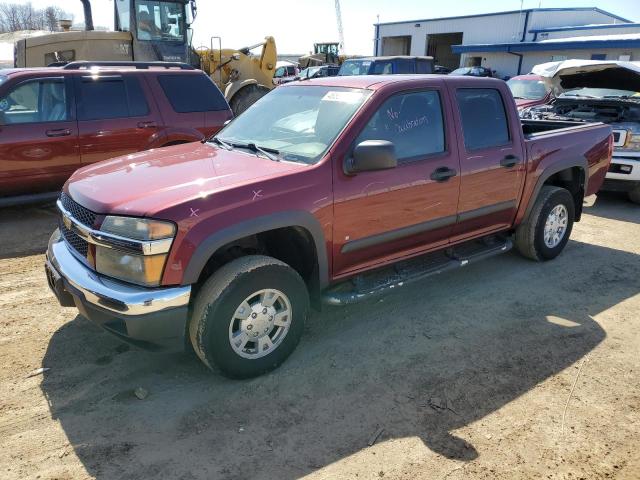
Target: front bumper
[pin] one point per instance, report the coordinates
(152, 318)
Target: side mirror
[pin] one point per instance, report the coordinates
(371, 155)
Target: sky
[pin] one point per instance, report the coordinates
(298, 24)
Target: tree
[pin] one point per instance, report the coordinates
(88, 16)
(14, 17)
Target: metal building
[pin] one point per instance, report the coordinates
(512, 42)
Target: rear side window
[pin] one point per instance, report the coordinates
(405, 65)
(484, 121)
(382, 68)
(192, 93)
(413, 122)
(110, 97)
(36, 101)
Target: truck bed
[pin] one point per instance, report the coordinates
(532, 128)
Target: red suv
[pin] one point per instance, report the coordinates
(56, 120)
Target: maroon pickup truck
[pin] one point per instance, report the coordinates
(325, 191)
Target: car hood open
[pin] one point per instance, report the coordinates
(570, 74)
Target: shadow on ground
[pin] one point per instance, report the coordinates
(26, 230)
(615, 206)
(472, 340)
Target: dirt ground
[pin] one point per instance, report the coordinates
(506, 369)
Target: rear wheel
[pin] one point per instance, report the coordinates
(547, 229)
(247, 96)
(249, 316)
(634, 195)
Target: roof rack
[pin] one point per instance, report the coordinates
(137, 65)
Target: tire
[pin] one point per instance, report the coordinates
(634, 195)
(530, 235)
(245, 97)
(216, 318)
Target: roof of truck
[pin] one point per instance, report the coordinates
(374, 82)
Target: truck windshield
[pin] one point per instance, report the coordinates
(162, 21)
(298, 123)
(527, 89)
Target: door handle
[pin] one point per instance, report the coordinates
(146, 124)
(60, 132)
(442, 174)
(509, 161)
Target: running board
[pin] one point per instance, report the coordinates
(368, 285)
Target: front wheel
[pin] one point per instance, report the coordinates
(245, 97)
(634, 195)
(249, 316)
(547, 229)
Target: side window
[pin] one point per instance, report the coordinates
(279, 72)
(412, 121)
(405, 65)
(110, 97)
(192, 93)
(423, 66)
(34, 102)
(484, 121)
(382, 68)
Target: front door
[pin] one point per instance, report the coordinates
(492, 162)
(114, 117)
(38, 136)
(382, 215)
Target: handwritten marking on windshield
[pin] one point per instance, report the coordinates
(257, 194)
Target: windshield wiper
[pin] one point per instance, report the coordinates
(221, 142)
(575, 95)
(270, 153)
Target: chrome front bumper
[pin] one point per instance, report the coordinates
(154, 316)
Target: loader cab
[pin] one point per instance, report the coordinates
(160, 28)
(331, 51)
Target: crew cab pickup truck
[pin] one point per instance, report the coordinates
(326, 191)
(56, 120)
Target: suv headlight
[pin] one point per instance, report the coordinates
(134, 249)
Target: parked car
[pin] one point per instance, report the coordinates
(330, 190)
(55, 120)
(440, 70)
(285, 72)
(530, 90)
(473, 72)
(599, 91)
(318, 72)
(386, 65)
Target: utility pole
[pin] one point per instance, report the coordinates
(340, 31)
(88, 17)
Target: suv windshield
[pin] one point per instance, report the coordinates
(601, 93)
(298, 123)
(530, 89)
(160, 20)
(355, 67)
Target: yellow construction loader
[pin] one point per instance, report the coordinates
(158, 30)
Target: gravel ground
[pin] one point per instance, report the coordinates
(506, 369)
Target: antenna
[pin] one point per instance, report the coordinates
(340, 31)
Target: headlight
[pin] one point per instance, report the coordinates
(633, 142)
(139, 253)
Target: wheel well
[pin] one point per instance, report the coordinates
(292, 245)
(571, 179)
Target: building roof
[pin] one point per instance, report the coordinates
(528, 10)
(631, 40)
(596, 26)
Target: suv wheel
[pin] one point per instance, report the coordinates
(546, 232)
(634, 195)
(249, 316)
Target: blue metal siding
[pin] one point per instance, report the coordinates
(546, 47)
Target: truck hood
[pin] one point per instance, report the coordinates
(590, 74)
(143, 184)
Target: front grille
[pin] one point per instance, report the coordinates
(82, 215)
(74, 240)
(77, 211)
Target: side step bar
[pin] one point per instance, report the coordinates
(381, 281)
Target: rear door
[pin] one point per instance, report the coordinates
(38, 136)
(491, 158)
(115, 117)
(383, 215)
